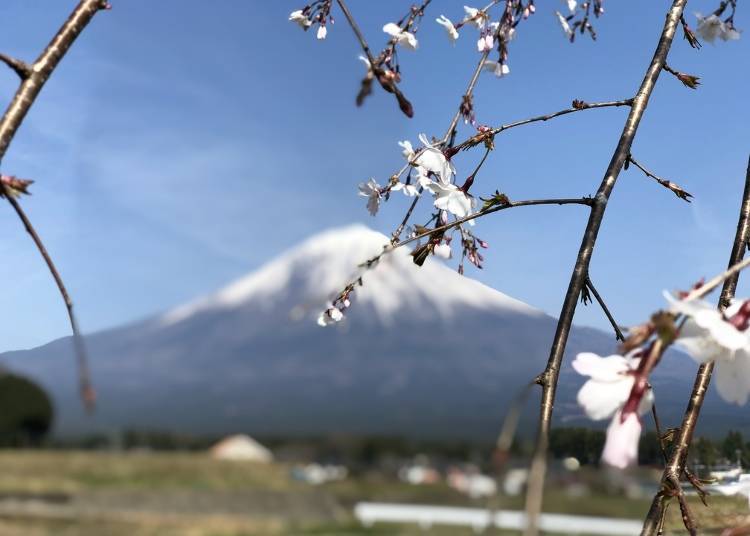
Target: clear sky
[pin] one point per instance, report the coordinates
(181, 144)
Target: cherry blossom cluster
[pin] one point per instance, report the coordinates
(317, 12)
(618, 386)
(578, 19)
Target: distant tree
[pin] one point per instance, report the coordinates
(705, 452)
(27, 412)
(734, 446)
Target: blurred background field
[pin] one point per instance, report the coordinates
(89, 492)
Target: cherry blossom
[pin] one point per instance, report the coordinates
(322, 32)
(486, 42)
(432, 160)
(330, 316)
(711, 27)
(475, 16)
(442, 250)
(572, 5)
(409, 190)
(300, 18)
(451, 198)
(564, 24)
(709, 335)
(372, 191)
(497, 68)
(404, 38)
(604, 395)
(449, 27)
(621, 446)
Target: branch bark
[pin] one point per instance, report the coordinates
(678, 457)
(580, 272)
(33, 81)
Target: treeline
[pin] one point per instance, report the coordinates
(586, 445)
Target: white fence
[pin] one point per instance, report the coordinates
(479, 519)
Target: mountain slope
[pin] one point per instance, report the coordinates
(423, 351)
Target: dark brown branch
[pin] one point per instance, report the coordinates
(703, 378)
(22, 101)
(618, 334)
(21, 68)
(83, 369)
(580, 271)
(669, 185)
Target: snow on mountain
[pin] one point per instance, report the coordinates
(323, 264)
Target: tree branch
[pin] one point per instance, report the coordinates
(21, 68)
(703, 378)
(22, 101)
(618, 334)
(669, 185)
(580, 271)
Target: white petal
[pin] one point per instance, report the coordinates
(603, 369)
(621, 446)
(600, 400)
(322, 32)
(443, 251)
(392, 29)
(733, 379)
(572, 4)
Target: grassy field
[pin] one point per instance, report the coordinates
(91, 493)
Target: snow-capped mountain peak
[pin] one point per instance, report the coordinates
(309, 275)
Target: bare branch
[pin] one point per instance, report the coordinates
(618, 334)
(580, 271)
(682, 442)
(22, 101)
(21, 68)
(674, 188)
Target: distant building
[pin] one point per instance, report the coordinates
(241, 448)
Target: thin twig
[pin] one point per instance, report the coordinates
(390, 87)
(580, 271)
(682, 442)
(21, 68)
(618, 334)
(84, 376)
(669, 185)
(22, 101)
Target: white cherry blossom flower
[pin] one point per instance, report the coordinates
(496, 68)
(432, 159)
(449, 28)
(300, 18)
(475, 16)
(485, 43)
(409, 190)
(322, 32)
(609, 386)
(621, 446)
(330, 316)
(404, 38)
(564, 24)
(711, 27)
(572, 5)
(709, 335)
(371, 190)
(408, 150)
(604, 395)
(451, 198)
(442, 250)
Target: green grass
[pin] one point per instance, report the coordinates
(190, 494)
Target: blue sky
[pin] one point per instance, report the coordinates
(182, 144)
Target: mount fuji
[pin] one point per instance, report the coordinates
(423, 352)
